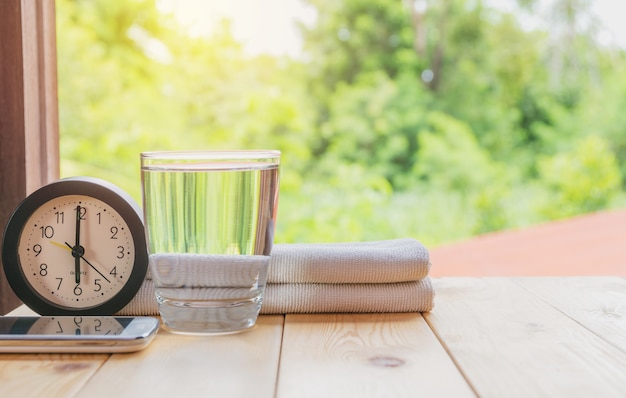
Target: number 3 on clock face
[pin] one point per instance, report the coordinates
(76, 246)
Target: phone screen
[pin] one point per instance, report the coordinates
(76, 333)
(76, 325)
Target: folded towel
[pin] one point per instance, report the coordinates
(388, 261)
(380, 276)
(190, 270)
(294, 298)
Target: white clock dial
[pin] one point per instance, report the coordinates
(76, 251)
(76, 246)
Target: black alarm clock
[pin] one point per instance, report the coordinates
(76, 246)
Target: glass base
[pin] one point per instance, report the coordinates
(209, 317)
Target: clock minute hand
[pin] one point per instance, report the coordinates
(76, 252)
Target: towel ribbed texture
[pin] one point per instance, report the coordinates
(381, 276)
(399, 260)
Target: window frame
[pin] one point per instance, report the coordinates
(29, 127)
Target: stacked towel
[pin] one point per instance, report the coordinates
(383, 276)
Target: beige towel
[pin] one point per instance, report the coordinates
(388, 261)
(297, 298)
(380, 276)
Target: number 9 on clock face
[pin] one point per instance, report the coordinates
(76, 246)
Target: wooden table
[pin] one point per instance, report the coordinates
(489, 337)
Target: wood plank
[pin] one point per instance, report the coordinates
(46, 375)
(598, 303)
(365, 355)
(12, 128)
(22, 310)
(39, 375)
(235, 365)
(29, 136)
(510, 343)
(39, 71)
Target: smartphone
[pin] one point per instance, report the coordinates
(76, 334)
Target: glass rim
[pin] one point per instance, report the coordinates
(239, 154)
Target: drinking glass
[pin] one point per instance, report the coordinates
(210, 219)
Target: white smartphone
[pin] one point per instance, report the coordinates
(76, 334)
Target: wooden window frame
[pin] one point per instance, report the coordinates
(29, 132)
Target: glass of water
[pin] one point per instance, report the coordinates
(210, 218)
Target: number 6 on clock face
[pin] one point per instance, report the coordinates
(76, 246)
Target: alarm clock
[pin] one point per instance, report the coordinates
(76, 246)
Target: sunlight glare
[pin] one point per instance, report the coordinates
(268, 26)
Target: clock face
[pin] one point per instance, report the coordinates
(76, 246)
(76, 251)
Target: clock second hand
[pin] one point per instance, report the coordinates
(83, 257)
(95, 269)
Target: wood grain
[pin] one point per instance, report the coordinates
(491, 337)
(12, 132)
(597, 303)
(365, 355)
(29, 136)
(510, 343)
(46, 375)
(41, 375)
(236, 365)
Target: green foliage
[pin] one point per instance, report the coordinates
(583, 179)
(374, 123)
(450, 158)
(437, 124)
(363, 37)
(106, 91)
(327, 209)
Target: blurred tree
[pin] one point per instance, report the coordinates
(109, 100)
(132, 80)
(359, 36)
(584, 179)
(436, 120)
(374, 123)
(450, 158)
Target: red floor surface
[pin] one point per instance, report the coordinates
(593, 244)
